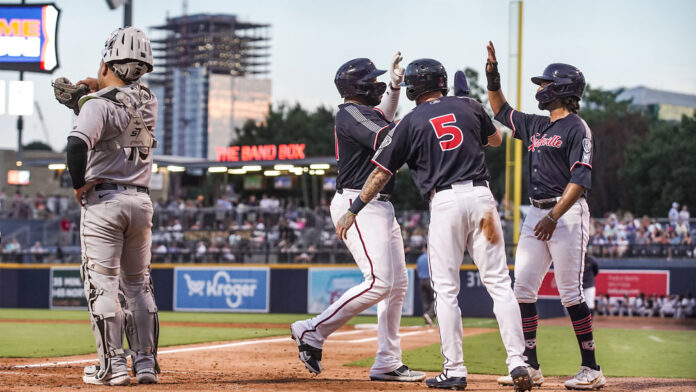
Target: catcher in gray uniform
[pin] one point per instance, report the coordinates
(109, 156)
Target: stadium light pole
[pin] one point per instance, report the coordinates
(127, 10)
(513, 147)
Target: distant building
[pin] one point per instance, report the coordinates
(664, 105)
(210, 79)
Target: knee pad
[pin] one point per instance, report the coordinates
(141, 321)
(105, 313)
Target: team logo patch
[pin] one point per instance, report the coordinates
(586, 145)
(530, 343)
(588, 345)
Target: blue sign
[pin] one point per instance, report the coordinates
(221, 289)
(28, 37)
(326, 285)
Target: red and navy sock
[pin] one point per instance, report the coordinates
(530, 322)
(582, 324)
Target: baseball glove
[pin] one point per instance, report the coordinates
(69, 94)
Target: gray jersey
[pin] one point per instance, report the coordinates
(102, 120)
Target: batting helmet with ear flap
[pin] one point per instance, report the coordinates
(564, 81)
(355, 79)
(423, 76)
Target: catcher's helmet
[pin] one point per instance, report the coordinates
(423, 76)
(461, 86)
(565, 81)
(128, 52)
(354, 79)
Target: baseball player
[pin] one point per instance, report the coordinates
(556, 228)
(375, 242)
(109, 156)
(442, 141)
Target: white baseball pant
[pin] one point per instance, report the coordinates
(457, 224)
(376, 244)
(590, 296)
(566, 249)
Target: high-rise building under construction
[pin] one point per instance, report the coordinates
(210, 78)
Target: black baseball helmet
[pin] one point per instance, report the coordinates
(423, 76)
(565, 81)
(355, 79)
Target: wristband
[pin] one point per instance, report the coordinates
(357, 205)
(549, 217)
(493, 77)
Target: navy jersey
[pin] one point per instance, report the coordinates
(357, 131)
(442, 142)
(559, 152)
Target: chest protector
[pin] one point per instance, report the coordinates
(136, 134)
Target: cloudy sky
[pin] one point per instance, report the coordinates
(615, 43)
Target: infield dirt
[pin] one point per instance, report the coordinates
(271, 364)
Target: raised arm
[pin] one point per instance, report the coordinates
(495, 94)
(390, 99)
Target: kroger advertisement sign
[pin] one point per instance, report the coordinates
(28, 37)
(221, 289)
(326, 285)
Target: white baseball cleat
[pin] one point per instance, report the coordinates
(586, 379)
(92, 376)
(403, 373)
(537, 378)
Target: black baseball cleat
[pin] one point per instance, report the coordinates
(444, 382)
(310, 356)
(521, 379)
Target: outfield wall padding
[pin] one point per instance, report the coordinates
(28, 285)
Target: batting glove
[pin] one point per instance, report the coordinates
(396, 73)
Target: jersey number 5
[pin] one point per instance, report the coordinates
(442, 128)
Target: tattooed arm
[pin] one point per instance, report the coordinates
(375, 183)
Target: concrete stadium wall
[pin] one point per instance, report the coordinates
(29, 286)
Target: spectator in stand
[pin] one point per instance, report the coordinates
(588, 281)
(201, 251)
(425, 287)
(673, 214)
(227, 255)
(13, 246)
(65, 230)
(37, 252)
(684, 216)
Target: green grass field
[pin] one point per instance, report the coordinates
(621, 352)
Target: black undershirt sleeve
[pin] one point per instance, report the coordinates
(77, 160)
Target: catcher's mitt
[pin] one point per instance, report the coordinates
(69, 94)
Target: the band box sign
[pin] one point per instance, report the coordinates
(224, 289)
(617, 283)
(326, 285)
(67, 291)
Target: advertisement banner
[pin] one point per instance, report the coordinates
(67, 291)
(617, 283)
(326, 285)
(28, 37)
(223, 289)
